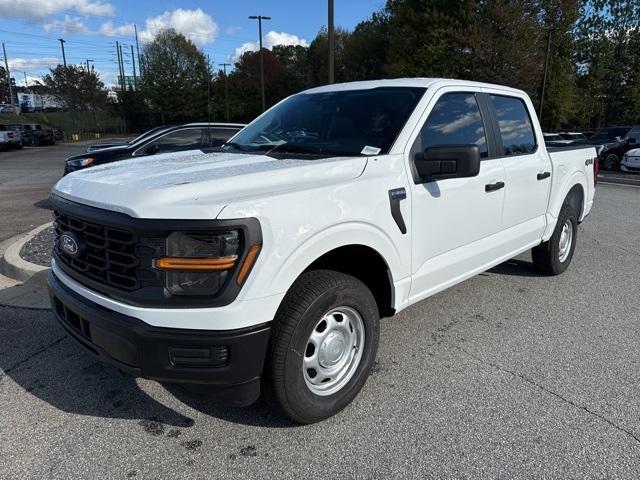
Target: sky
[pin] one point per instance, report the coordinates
(30, 29)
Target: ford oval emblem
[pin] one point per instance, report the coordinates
(69, 244)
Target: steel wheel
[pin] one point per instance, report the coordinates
(566, 239)
(333, 351)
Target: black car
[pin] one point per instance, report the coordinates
(34, 134)
(147, 134)
(191, 136)
(612, 143)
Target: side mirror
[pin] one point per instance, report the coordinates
(632, 140)
(448, 161)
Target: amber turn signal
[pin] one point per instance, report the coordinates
(200, 264)
(250, 259)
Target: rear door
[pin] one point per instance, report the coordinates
(454, 219)
(527, 169)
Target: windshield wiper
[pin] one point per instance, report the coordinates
(290, 148)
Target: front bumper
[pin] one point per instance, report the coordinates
(226, 365)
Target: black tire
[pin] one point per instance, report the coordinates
(611, 162)
(310, 298)
(546, 256)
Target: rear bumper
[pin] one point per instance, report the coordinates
(226, 365)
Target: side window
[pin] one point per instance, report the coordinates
(515, 125)
(187, 139)
(455, 120)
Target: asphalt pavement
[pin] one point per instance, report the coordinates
(508, 375)
(26, 177)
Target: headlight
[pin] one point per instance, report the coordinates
(81, 162)
(199, 263)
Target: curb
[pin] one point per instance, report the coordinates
(618, 180)
(15, 267)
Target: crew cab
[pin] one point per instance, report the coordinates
(188, 137)
(271, 259)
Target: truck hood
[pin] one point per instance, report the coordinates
(198, 186)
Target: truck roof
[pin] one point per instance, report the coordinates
(407, 82)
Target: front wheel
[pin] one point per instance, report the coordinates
(554, 256)
(323, 345)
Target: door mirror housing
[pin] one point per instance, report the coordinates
(448, 161)
(632, 140)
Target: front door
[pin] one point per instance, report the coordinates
(453, 220)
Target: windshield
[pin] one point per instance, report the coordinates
(148, 134)
(345, 123)
(610, 133)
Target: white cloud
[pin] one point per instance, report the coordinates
(196, 25)
(111, 30)
(66, 25)
(269, 41)
(31, 10)
(28, 64)
(230, 30)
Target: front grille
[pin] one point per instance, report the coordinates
(107, 254)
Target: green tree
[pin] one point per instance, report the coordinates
(77, 89)
(175, 78)
(608, 59)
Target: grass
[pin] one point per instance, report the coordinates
(88, 124)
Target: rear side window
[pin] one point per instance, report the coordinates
(515, 125)
(455, 120)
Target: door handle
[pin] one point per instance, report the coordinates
(543, 175)
(492, 187)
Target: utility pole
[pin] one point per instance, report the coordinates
(260, 18)
(6, 66)
(332, 41)
(64, 57)
(133, 61)
(89, 60)
(226, 87)
(544, 76)
(26, 85)
(135, 29)
(120, 65)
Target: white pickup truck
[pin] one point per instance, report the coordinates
(269, 261)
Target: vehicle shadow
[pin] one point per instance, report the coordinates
(516, 268)
(37, 354)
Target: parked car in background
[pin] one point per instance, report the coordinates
(58, 135)
(5, 137)
(191, 136)
(573, 136)
(554, 140)
(147, 134)
(12, 138)
(7, 108)
(631, 161)
(35, 134)
(270, 262)
(612, 143)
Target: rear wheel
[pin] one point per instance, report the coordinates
(554, 256)
(611, 162)
(323, 345)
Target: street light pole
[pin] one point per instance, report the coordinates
(260, 18)
(544, 76)
(64, 57)
(331, 39)
(6, 66)
(226, 87)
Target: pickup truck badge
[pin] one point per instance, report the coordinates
(69, 244)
